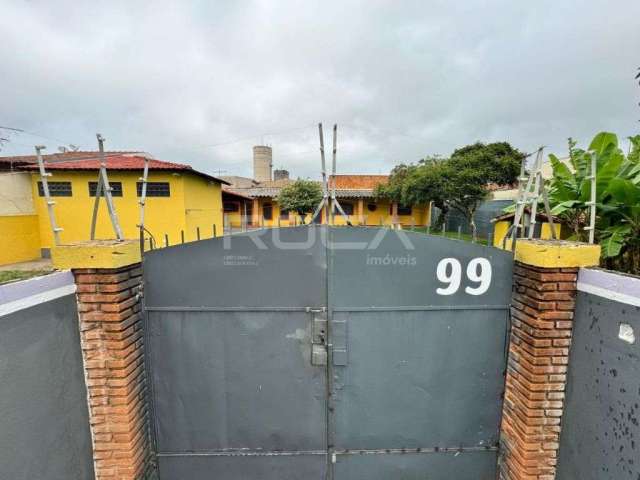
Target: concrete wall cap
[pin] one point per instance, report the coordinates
(96, 254)
(557, 253)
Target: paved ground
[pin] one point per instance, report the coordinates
(40, 264)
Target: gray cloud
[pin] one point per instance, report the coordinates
(402, 79)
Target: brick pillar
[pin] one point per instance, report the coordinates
(108, 279)
(543, 305)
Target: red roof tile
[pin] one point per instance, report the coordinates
(119, 162)
(359, 182)
(28, 159)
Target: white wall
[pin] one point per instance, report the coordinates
(15, 194)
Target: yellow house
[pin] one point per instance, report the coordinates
(257, 204)
(502, 223)
(181, 204)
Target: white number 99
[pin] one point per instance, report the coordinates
(449, 271)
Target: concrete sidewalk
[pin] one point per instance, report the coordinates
(40, 264)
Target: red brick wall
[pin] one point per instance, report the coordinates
(542, 319)
(112, 346)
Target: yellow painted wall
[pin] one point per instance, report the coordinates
(420, 215)
(500, 230)
(235, 219)
(203, 207)
(192, 202)
(545, 231)
(19, 238)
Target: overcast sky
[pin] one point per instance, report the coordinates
(201, 82)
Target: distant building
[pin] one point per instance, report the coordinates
(257, 204)
(181, 202)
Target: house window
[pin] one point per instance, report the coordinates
(267, 211)
(402, 210)
(231, 207)
(346, 206)
(116, 189)
(155, 189)
(284, 214)
(372, 207)
(56, 189)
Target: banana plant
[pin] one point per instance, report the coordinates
(570, 187)
(621, 219)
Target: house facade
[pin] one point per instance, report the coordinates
(257, 202)
(182, 204)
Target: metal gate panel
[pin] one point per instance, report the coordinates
(229, 334)
(412, 370)
(416, 466)
(266, 467)
(379, 267)
(436, 375)
(263, 269)
(236, 381)
(414, 380)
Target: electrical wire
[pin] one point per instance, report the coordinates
(16, 130)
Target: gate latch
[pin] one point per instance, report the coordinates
(318, 336)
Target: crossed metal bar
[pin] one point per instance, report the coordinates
(329, 202)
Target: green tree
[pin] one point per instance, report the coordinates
(417, 184)
(460, 182)
(301, 196)
(500, 162)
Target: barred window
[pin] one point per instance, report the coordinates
(284, 214)
(116, 189)
(267, 211)
(346, 206)
(403, 210)
(231, 207)
(155, 189)
(56, 189)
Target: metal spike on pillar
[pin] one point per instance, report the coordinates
(47, 196)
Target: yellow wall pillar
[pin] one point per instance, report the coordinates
(500, 230)
(394, 213)
(361, 211)
(255, 213)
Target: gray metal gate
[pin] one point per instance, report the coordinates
(327, 353)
